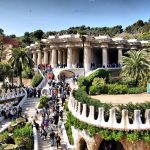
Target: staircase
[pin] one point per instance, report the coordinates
(29, 106)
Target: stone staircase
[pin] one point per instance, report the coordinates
(29, 106)
(45, 144)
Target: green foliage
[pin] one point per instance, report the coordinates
(93, 90)
(24, 136)
(37, 78)
(106, 134)
(146, 136)
(43, 101)
(136, 65)
(4, 136)
(135, 90)
(133, 136)
(101, 73)
(20, 60)
(82, 81)
(116, 89)
(82, 97)
(27, 73)
(66, 106)
(4, 70)
(98, 86)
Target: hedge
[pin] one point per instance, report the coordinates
(37, 78)
(107, 134)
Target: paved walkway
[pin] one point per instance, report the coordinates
(45, 144)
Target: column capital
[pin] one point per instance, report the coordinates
(104, 45)
(45, 49)
(38, 50)
(87, 44)
(34, 52)
(120, 46)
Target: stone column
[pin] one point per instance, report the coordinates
(87, 58)
(50, 57)
(77, 56)
(39, 60)
(69, 57)
(105, 56)
(64, 57)
(119, 56)
(34, 57)
(74, 58)
(45, 56)
(60, 59)
(54, 58)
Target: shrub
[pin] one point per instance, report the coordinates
(93, 90)
(101, 73)
(27, 73)
(37, 78)
(24, 136)
(98, 86)
(135, 90)
(116, 89)
(43, 101)
(83, 88)
(4, 136)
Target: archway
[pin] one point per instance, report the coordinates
(83, 145)
(111, 145)
(67, 73)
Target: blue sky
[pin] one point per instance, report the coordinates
(19, 16)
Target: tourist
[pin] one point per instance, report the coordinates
(58, 139)
(19, 111)
(52, 136)
(43, 133)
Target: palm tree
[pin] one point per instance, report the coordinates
(136, 65)
(20, 60)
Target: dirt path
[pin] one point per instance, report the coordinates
(123, 99)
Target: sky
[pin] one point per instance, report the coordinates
(19, 16)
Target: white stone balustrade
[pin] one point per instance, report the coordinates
(80, 113)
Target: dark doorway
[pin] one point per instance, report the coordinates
(83, 145)
(113, 56)
(81, 56)
(111, 145)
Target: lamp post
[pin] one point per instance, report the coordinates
(83, 38)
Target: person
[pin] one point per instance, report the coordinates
(58, 139)
(52, 136)
(35, 125)
(43, 133)
(36, 114)
(19, 111)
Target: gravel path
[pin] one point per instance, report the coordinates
(123, 99)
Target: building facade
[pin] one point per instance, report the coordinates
(73, 51)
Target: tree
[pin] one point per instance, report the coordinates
(136, 65)
(38, 34)
(27, 38)
(12, 36)
(20, 60)
(4, 70)
(1, 31)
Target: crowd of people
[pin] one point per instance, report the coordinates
(33, 92)
(52, 113)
